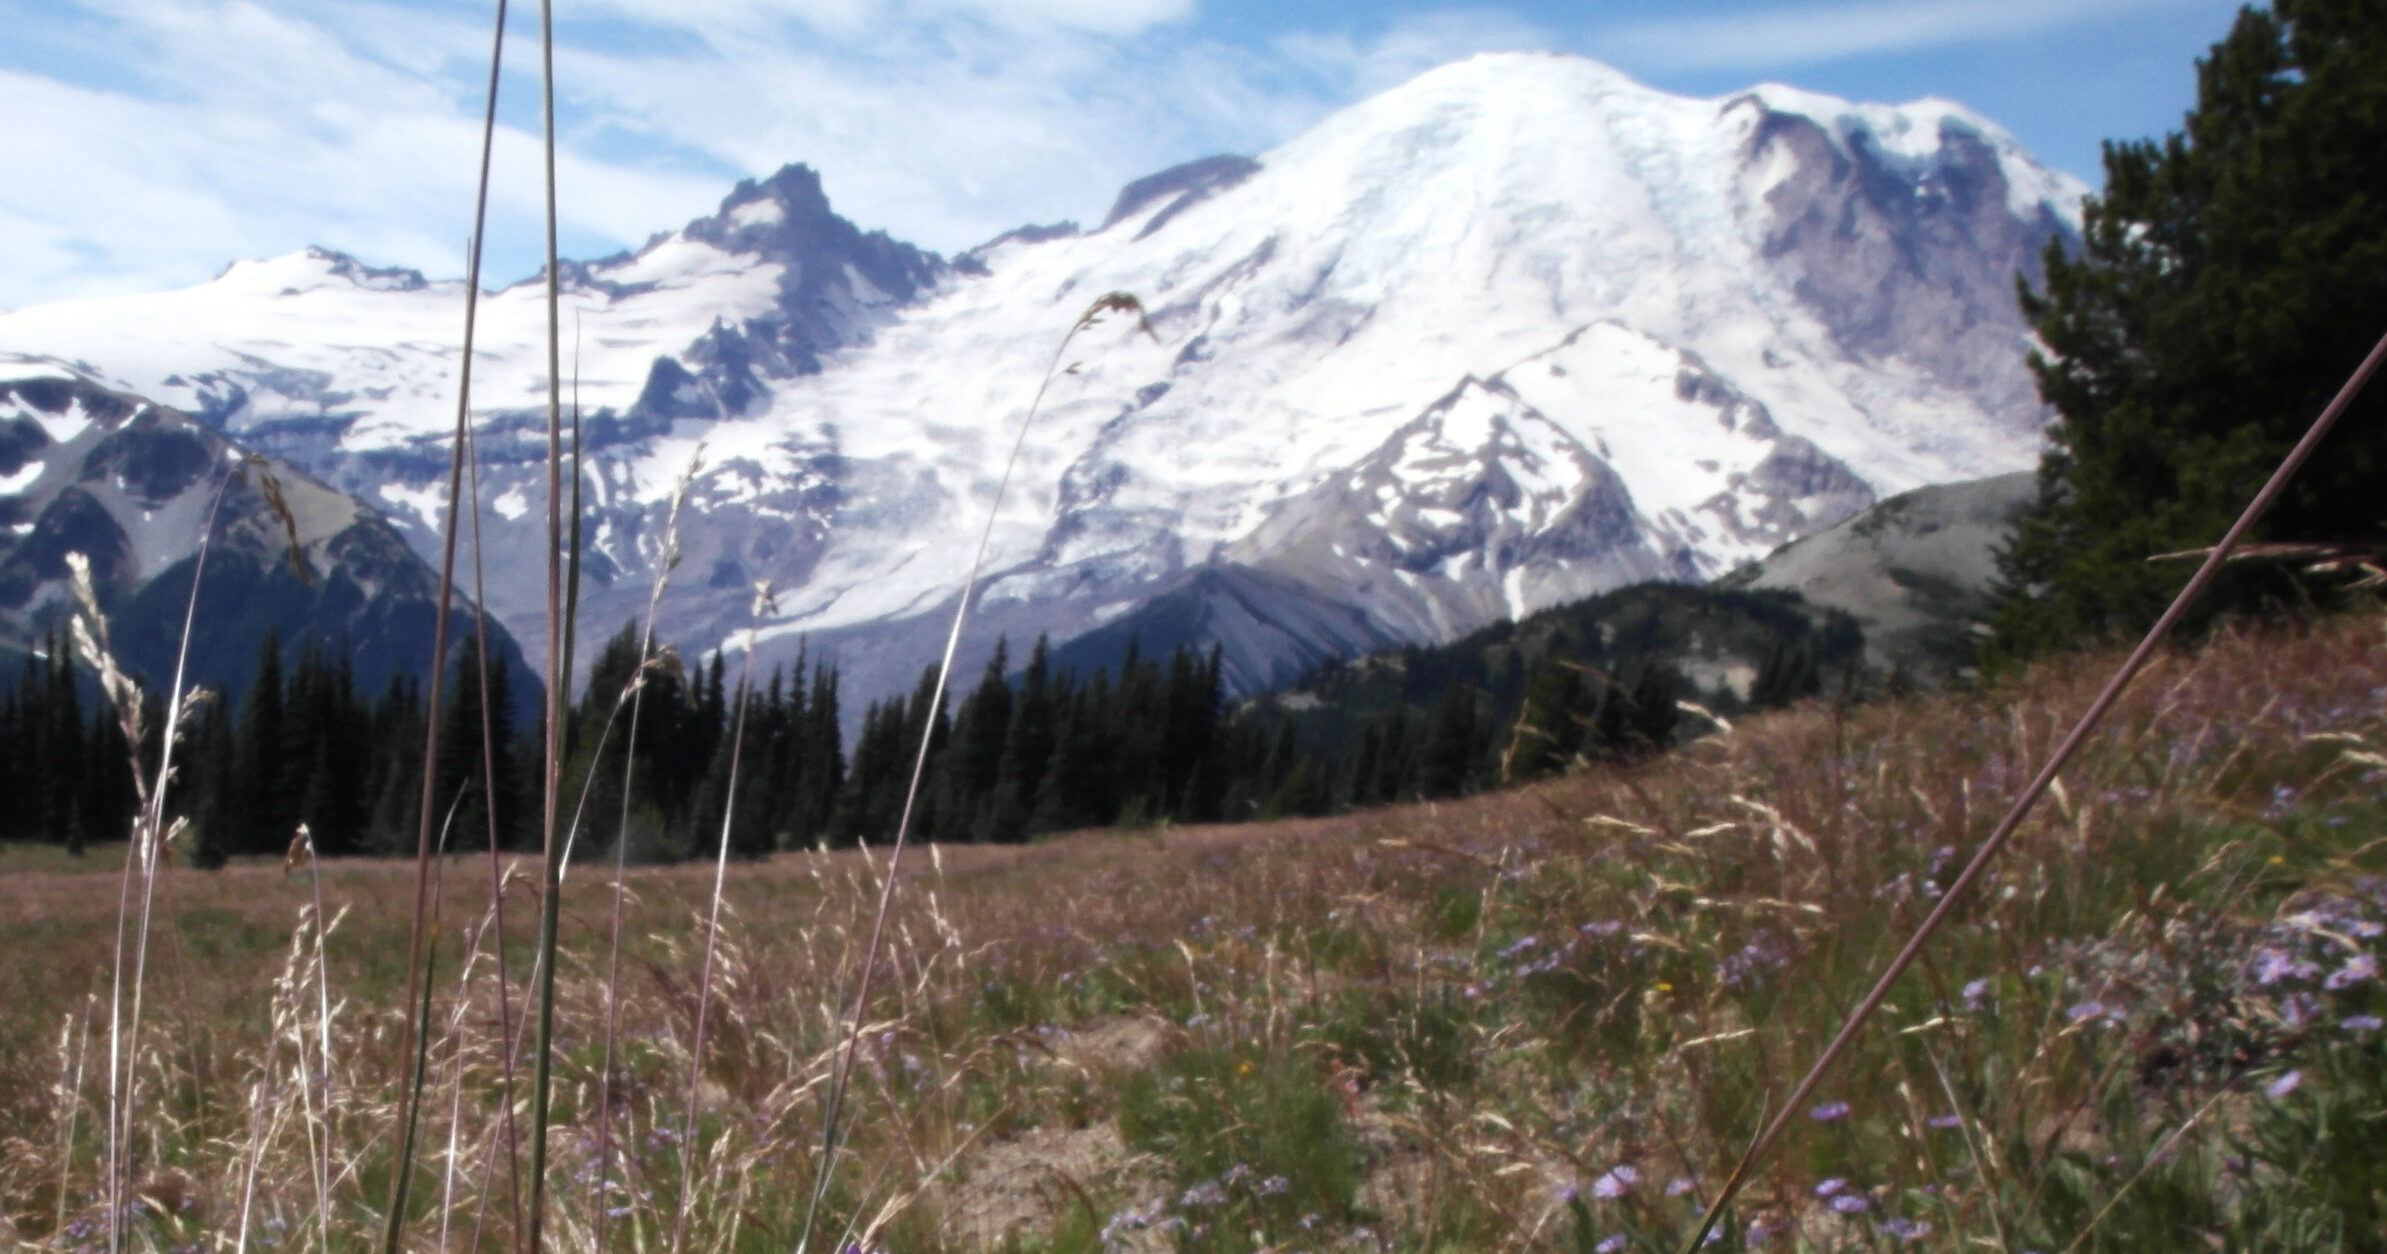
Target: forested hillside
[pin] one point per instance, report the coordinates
(1025, 752)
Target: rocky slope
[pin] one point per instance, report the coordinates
(132, 486)
(1917, 572)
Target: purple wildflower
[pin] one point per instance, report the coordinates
(1903, 1229)
(2360, 1023)
(1852, 1204)
(1616, 1181)
(2271, 965)
(2358, 968)
(1829, 1112)
(2285, 1084)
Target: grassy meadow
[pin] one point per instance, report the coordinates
(1540, 1019)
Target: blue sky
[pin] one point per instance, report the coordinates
(147, 143)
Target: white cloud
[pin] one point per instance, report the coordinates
(1355, 68)
(174, 136)
(1824, 32)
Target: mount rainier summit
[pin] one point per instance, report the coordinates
(1516, 332)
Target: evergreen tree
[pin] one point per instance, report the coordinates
(1447, 766)
(215, 798)
(1027, 752)
(968, 775)
(1549, 727)
(484, 780)
(1654, 713)
(2230, 277)
(1789, 673)
(268, 812)
(821, 757)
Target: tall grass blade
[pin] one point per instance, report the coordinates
(1111, 302)
(497, 896)
(633, 693)
(551, 778)
(417, 1034)
(123, 1039)
(712, 936)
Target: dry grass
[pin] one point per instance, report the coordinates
(1433, 1027)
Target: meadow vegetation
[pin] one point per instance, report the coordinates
(1540, 1019)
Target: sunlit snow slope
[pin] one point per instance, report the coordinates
(1518, 331)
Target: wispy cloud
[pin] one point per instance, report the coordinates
(1810, 33)
(153, 141)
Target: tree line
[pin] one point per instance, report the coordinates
(1024, 753)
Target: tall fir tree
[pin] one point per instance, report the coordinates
(269, 812)
(2230, 277)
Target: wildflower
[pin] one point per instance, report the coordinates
(1903, 1229)
(1207, 1193)
(2360, 1023)
(1945, 1121)
(1274, 1185)
(2285, 1084)
(2085, 1010)
(1974, 992)
(2271, 965)
(1611, 1245)
(1852, 1203)
(2358, 968)
(1832, 1187)
(1829, 1112)
(1680, 1185)
(1616, 1181)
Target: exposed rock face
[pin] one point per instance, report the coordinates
(1513, 333)
(1917, 571)
(133, 486)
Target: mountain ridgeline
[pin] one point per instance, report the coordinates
(1514, 333)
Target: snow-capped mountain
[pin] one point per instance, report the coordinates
(1515, 332)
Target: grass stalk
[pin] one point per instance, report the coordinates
(416, 1037)
(551, 778)
(91, 636)
(507, 1076)
(712, 937)
(70, 1079)
(634, 694)
(1111, 302)
(323, 1032)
